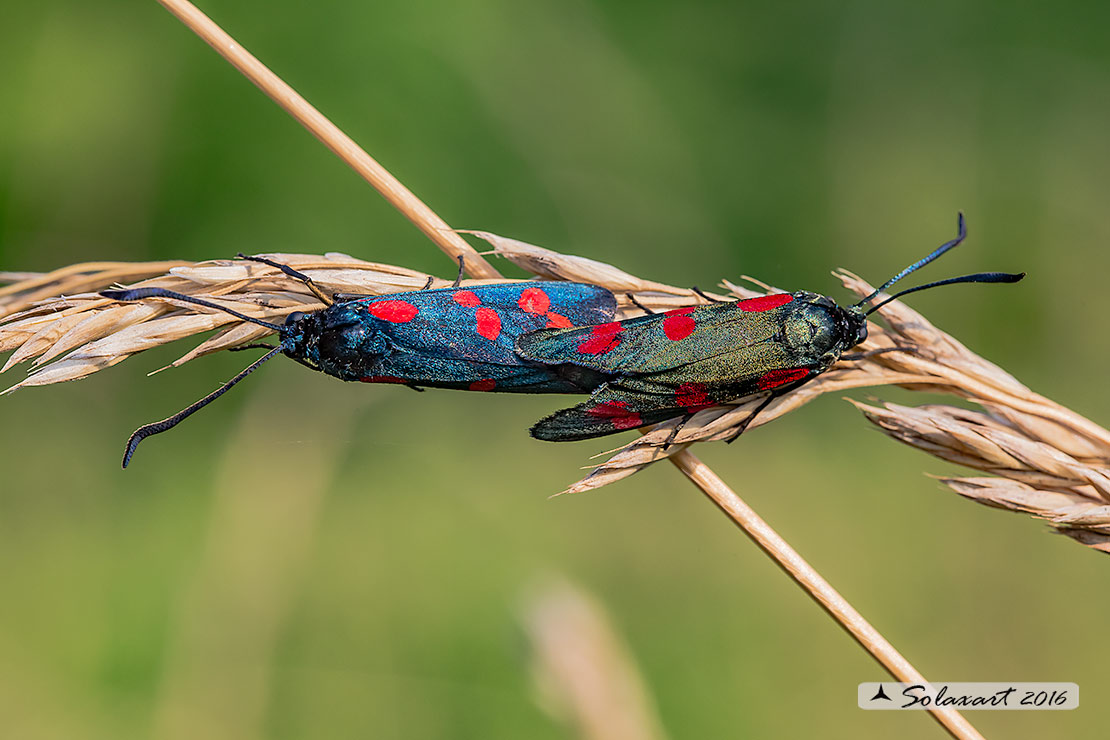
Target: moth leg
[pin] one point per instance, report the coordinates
(258, 345)
(458, 280)
(293, 274)
(707, 297)
(416, 388)
(677, 428)
(871, 353)
(638, 305)
(429, 283)
(751, 417)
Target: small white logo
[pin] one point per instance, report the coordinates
(967, 695)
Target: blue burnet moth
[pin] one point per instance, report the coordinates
(662, 366)
(455, 337)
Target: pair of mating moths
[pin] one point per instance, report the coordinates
(552, 337)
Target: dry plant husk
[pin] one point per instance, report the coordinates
(584, 672)
(1049, 461)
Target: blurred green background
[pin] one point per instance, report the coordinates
(309, 559)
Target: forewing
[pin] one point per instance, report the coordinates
(660, 343)
(454, 318)
(464, 337)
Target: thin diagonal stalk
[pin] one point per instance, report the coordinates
(332, 137)
(787, 558)
(437, 230)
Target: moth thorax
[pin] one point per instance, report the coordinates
(811, 331)
(346, 343)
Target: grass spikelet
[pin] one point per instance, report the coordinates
(1037, 447)
(1035, 476)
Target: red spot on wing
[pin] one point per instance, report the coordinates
(618, 413)
(775, 378)
(764, 302)
(466, 298)
(678, 324)
(395, 312)
(483, 385)
(382, 379)
(534, 300)
(692, 397)
(603, 338)
(489, 323)
(557, 321)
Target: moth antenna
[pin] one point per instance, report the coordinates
(960, 236)
(981, 277)
(137, 294)
(327, 301)
(167, 424)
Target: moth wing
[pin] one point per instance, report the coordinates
(633, 402)
(726, 376)
(464, 337)
(657, 342)
(485, 319)
(608, 411)
(552, 304)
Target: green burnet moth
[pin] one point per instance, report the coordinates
(460, 338)
(662, 366)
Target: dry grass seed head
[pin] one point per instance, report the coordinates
(1051, 462)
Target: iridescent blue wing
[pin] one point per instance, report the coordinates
(464, 337)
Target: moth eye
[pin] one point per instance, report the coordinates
(294, 317)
